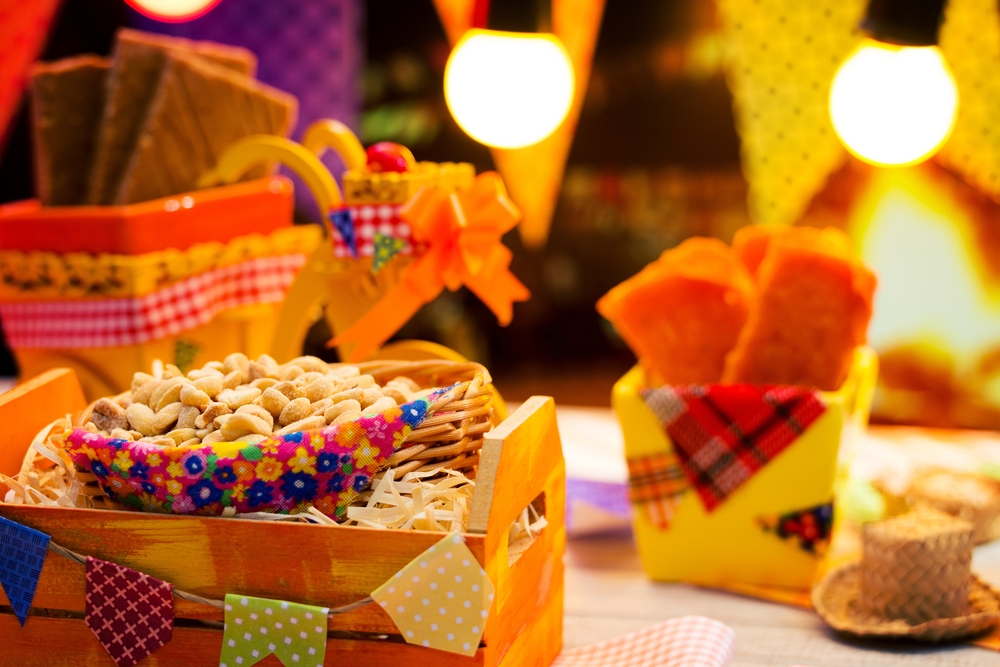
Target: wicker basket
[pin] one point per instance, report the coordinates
(450, 438)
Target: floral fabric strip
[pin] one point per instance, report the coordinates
(88, 323)
(724, 434)
(324, 468)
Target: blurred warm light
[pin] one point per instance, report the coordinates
(172, 11)
(507, 89)
(893, 105)
(933, 288)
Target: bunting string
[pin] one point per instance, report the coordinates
(191, 597)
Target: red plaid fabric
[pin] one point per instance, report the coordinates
(129, 321)
(724, 434)
(689, 641)
(130, 613)
(369, 219)
(656, 484)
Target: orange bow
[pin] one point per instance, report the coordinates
(463, 232)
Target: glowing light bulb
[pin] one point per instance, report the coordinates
(508, 89)
(173, 11)
(893, 105)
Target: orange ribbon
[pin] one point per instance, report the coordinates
(463, 232)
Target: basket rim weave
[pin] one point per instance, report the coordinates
(450, 437)
(834, 599)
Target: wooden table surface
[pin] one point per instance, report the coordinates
(608, 594)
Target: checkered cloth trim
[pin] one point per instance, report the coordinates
(725, 434)
(689, 641)
(656, 484)
(182, 306)
(371, 218)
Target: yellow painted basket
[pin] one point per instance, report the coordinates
(728, 546)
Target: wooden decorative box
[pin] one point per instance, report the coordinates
(521, 464)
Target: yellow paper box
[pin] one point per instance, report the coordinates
(728, 545)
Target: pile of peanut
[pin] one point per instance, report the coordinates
(243, 400)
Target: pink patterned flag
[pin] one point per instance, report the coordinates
(131, 613)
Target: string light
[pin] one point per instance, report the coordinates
(893, 105)
(509, 89)
(173, 11)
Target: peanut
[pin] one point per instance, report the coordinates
(256, 371)
(268, 362)
(211, 385)
(404, 383)
(143, 393)
(236, 398)
(309, 363)
(242, 424)
(290, 372)
(140, 379)
(171, 371)
(121, 434)
(181, 435)
(349, 394)
(190, 443)
(263, 383)
(348, 416)
(369, 396)
(214, 365)
(316, 421)
(289, 390)
(166, 417)
(381, 405)
(395, 393)
(273, 401)
(200, 373)
(338, 409)
(319, 389)
(236, 361)
(294, 411)
(191, 396)
(213, 411)
(234, 379)
(188, 417)
(214, 436)
(140, 417)
(320, 407)
(344, 371)
(258, 412)
(168, 392)
(108, 415)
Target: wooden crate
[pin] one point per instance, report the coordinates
(321, 565)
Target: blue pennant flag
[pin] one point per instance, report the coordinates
(386, 247)
(22, 552)
(344, 224)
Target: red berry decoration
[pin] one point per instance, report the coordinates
(389, 156)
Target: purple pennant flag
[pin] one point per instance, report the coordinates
(22, 553)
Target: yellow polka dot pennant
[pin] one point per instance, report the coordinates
(781, 58)
(782, 55)
(440, 600)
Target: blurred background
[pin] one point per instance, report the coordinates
(656, 158)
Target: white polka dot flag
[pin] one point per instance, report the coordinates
(256, 628)
(440, 600)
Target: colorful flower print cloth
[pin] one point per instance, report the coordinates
(324, 468)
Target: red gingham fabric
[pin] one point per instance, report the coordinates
(132, 320)
(689, 641)
(656, 484)
(724, 434)
(130, 613)
(371, 218)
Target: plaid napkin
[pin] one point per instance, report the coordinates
(656, 484)
(724, 434)
(690, 641)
